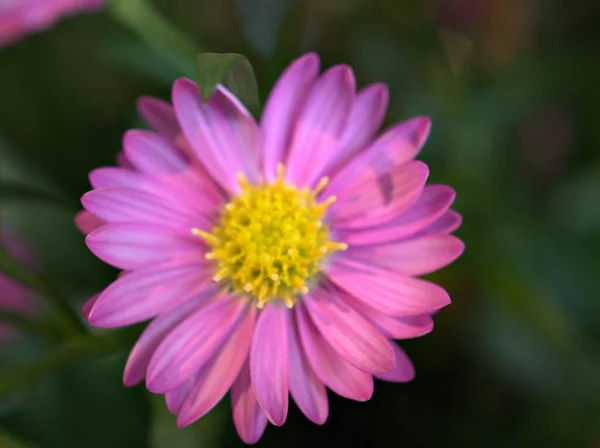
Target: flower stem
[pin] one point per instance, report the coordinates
(16, 191)
(144, 19)
(44, 287)
(27, 325)
(57, 359)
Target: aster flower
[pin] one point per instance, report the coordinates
(275, 258)
(21, 17)
(14, 298)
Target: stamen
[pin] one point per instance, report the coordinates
(321, 185)
(280, 171)
(242, 180)
(209, 238)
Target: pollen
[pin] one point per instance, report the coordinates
(270, 240)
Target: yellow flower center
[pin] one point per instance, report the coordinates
(270, 240)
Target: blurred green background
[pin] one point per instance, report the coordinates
(513, 89)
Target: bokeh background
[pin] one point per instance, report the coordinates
(513, 89)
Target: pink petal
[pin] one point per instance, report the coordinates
(308, 391)
(377, 201)
(193, 189)
(431, 205)
(123, 205)
(282, 109)
(319, 125)
(160, 186)
(269, 367)
(248, 417)
(20, 18)
(87, 222)
(396, 146)
(191, 186)
(132, 246)
(159, 115)
(417, 256)
(193, 343)
(446, 224)
(366, 116)
(393, 327)
(242, 133)
(88, 305)
(152, 153)
(387, 291)
(224, 136)
(403, 371)
(331, 368)
(147, 292)
(408, 327)
(107, 177)
(215, 379)
(350, 334)
(154, 334)
(15, 297)
(176, 397)
(123, 162)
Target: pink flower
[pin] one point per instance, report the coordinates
(272, 258)
(21, 17)
(14, 298)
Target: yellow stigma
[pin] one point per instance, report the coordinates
(270, 240)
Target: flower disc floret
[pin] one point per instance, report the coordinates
(270, 240)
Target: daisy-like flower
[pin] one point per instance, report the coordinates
(14, 298)
(21, 17)
(275, 258)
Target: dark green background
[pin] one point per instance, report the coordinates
(513, 88)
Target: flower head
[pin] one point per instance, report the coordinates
(14, 298)
(21, 17)
(275, 258)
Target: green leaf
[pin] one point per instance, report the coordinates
(27, 325)
(85, 406)
(575, 203)
(12, 191)
(232, 70)
(261, 22)
(206, 432)
(136, 57)
(14, 378)
(45, 287)
(9, 441)
(145, 20)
